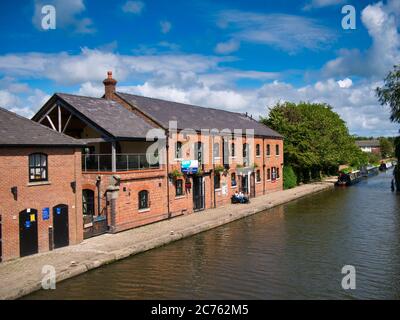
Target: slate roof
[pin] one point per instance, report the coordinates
(195, 117)
(108, 115)
(368, 143)
(19, 131)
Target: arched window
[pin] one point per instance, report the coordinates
(38, 167)
(233, 149)
(277, 149)
(179, 187)
(143, 199)
(198, 152)
(258, 175)
(88, 201)
(233, 179)
(216, 150)
(246, 154)
(268, 149)
(178, 150)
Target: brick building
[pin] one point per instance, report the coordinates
(40, 187)
(147, 159)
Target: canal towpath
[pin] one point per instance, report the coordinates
(22, 276)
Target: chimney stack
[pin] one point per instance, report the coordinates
(109, 86)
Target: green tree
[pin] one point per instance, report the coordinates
(317, 140)
(386, 147)
(389, 93)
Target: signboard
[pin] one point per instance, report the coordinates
(190, 166)
(46, 213)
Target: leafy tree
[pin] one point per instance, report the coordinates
(386, 147)
(317, 140)
(389, 93)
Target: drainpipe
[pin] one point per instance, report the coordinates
(167, 164)
(213, 171)
(263, 164)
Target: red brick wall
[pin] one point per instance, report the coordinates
(64, 167)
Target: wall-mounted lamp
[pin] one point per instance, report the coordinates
(14, 191)
(73, 186)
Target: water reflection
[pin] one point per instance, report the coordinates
(295, 251)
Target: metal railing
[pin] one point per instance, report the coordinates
(124, 162)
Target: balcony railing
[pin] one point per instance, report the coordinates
(124, 162)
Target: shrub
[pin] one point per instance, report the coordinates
(289, 177)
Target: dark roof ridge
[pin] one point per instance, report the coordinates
(181, 103)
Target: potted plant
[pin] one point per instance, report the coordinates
(175, 174)
(218, 169)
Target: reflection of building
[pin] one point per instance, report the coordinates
(372, 146)
(40, 188)
(123, 188)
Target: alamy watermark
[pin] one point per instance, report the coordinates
(349, 280)
(349, 20)
(49, 277)
(49, 17)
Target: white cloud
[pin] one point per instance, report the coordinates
(135, 7)
(381, 21)
(25, 104)
(196, 79)
(290, 33)
(322, 3)
(227, 47)
(68, 15)
(165, 26)
(345, 83)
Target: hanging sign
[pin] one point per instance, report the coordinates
(189, 166)
(46, 213)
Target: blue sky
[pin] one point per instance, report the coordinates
(235, 55)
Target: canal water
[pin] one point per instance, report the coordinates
(295, 251)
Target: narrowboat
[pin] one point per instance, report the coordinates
(349, 178)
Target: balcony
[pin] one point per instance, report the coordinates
(123, 162)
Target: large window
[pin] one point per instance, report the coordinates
(38, 167)
(143, 199)
(258, 175)
(179, 187)
(273, 177)
(216, 150)
(198, 150)
(178, 150)
(258, 152)
(88, 201)
(233, 179)
(233, 149)
(246, 154)
(217, 181)
(268, 150)
(277, 149)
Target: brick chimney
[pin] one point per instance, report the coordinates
(109, 86)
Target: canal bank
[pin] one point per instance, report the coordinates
(23, 276)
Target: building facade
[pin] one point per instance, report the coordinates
(147, 159)
(369, 146)
(40, 187)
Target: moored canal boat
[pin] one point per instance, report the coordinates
(349, 178)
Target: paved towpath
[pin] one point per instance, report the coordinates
(22, 276)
